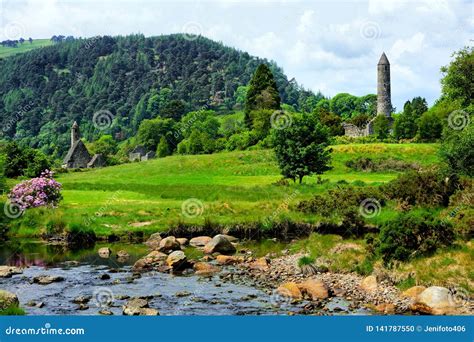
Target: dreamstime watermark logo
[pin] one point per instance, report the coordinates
(103, 119)
(103, 297)
(370, 30)
(370, 207)
(192, 207)
(281, 297)
(17, 116)
(13, 30)
(280, 120)
(282, 207)
(458, 119)
(192, 30)
(12, 209)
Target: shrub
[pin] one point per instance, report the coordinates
(382, 164)
(422, 188)
(457, 150)
(36, 192)
(341, 201)
(413, 234)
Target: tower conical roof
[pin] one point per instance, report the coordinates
(383, 59)
(75, 125)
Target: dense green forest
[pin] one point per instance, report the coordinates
(134, 78)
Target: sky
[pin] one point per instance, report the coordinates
(327, 46)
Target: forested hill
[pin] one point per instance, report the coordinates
(44, 90)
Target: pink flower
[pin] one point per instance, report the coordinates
(36, 192)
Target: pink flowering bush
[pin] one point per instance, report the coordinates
(37, 192)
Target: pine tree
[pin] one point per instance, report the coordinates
(262, 93)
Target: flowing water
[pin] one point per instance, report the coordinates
(83, 272)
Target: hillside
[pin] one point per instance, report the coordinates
(44, 90)
(26, 46)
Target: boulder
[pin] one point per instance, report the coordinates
(8, 299)
(385, 308)
(229, 260)
(177, 260)
(153, 241)
(369, 284)
(8, 271)
(169, 244)
(289, 290)
(204, 268)
(46, 280)
(105, 312)
(219, 244)
(104, 252)
(200, 241)
(413, 292)
(183, 241)
(435, 300)
(153, 259)
(138, 307)
(262, 264)
(314, 289)
(231, 238)
(82, 299)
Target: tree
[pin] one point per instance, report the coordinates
(330, 120)
(163, 149)
(360, 120)
(344, 105)
(430, 127)
(174, 109)
(381, 126)
(457, 150)
(105, 145)
(151, 131)
(302, 148)
(457, 83)
(262, 93)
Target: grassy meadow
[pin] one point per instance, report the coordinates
(26, 46)
(232, 187)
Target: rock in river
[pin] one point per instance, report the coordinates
(229, 260)
(138, 307)
(200, 241)
(46, 279)
(219, 244)
(153, 241)
(314, 289)
(8, 271)
(169, 244)
(289, 290)
(435, 300)
(204, 268)
(153, 259)
(7, 299)
(104, 252)
(177, 260)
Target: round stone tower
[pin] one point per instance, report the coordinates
(384, 103)
(75, 134)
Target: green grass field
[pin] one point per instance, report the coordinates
(26, 46)
(233, 187)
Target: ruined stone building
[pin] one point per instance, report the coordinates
(78, 156)
(384, 103)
